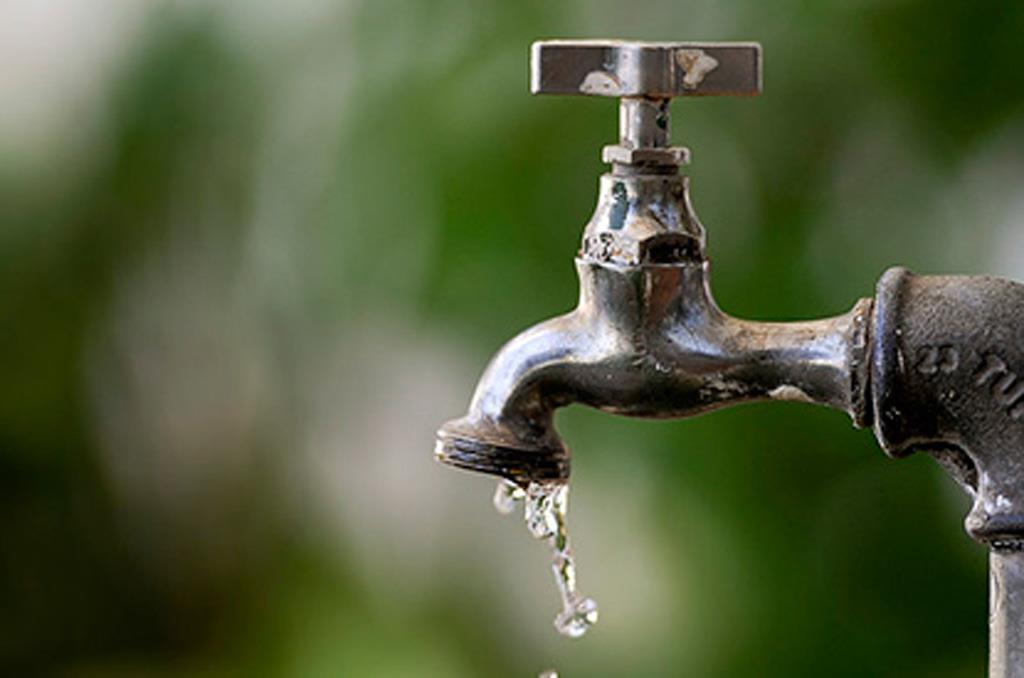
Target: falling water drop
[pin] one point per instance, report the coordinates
(545, 509)
(506, 496)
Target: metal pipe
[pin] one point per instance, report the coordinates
(644, 123)
(1006, 614)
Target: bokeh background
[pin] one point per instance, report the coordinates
(252, 253)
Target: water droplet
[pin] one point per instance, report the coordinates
(546, 505)
(574, 622)
(506, 496)
(550, 673)
(545, 511)
(545, 508)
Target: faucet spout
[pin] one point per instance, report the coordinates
(647, 341)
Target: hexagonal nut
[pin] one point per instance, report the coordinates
(673, 155)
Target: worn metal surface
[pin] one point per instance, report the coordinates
(935, 363)
(1006, 615)
(645, 75)
(947, 379)
(947, 354)
(645, 69)
(646, 341)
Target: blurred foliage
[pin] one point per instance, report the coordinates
(375, 160)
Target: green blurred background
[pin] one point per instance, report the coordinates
(254, 252)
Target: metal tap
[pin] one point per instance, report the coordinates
(932, 363)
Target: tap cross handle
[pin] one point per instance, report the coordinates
(645, 76)
(655, 70)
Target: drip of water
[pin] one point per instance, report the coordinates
(506, 496)
(545, 509)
